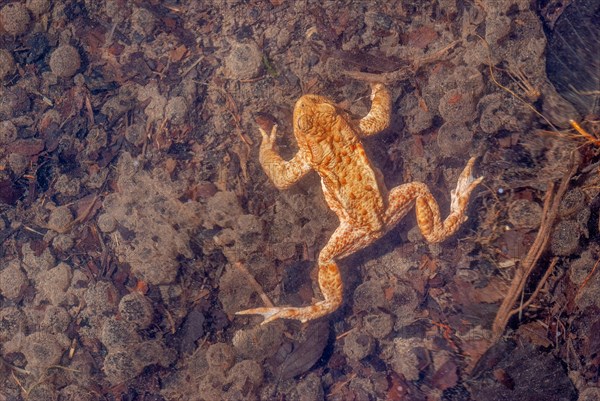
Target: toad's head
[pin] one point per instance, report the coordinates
(313, 115)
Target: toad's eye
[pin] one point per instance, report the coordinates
(304, 123)
(326, 108)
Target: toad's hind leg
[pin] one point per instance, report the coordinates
(344, 241)
(401, 199)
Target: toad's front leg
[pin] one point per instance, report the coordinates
(379, 116)
(344, 241)
(282, 173)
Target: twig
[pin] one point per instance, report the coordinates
(33, 231)
(344, 334)
(584, 133)
(16, 379)
(85, 213)
(403, 72)
(537, 289)
(587, 279)
(524, 270)
(235, 115)
(15, 368)
(191, 67)
(257, 287)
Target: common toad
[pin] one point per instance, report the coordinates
(329, 142)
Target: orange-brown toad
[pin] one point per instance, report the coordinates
(329, 143)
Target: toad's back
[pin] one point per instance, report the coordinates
(349, 183)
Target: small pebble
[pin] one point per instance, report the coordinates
(65, 61)
(52, 284)
(245, 371)
(368, 296)
(136, 309)
(107, 223)
(33, 262)
(405, 304)
(56, 319)
(120, 366)
(244, 61)
(525, 214)
(96, 139)
(358, 345)
(176, 110)
(571, 203)
(60, 219)
(258, 342)
(101, 298)
(402, 357)
(454, 139)
(379, 325)
(13, 322)
(8, 132)
(142, 21)
(581, 268)
(118, 334)
(457, 106)
(310, 388)
(211, 385)
(67, 185)
(136, 134)
(220, 356)
(14, 17)
(12, 280)
(38, 7)
(589, 394)
(42, 350)
(15, 102)
(7, 64)
(565, 238)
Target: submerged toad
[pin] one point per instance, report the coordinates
(329, 143)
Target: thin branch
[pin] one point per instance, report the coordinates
(528, 264)
(587, 279)
(537, 289)
(403, 72)
(257, 287)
